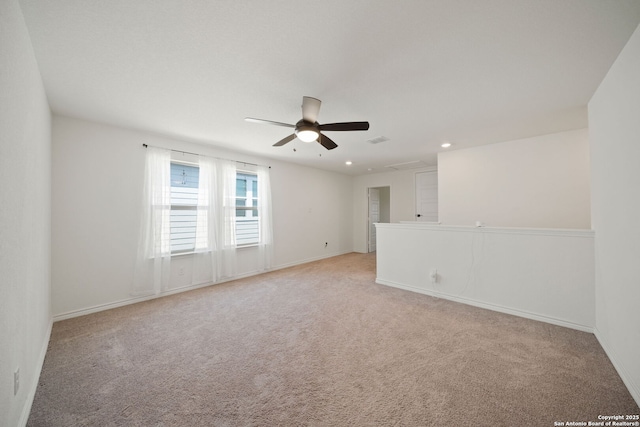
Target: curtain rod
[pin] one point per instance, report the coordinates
(196, 154)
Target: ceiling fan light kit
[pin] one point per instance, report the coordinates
(307, 132)
(308, 129)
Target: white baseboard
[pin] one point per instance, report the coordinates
(126, 301)
(633, 388)
(137, 299)
(33, 387)
(308, 260)
(488, 306)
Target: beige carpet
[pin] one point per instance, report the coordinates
(321, 345)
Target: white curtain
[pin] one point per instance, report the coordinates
(205, 227)
(203, 266)
(225, 219)
(265, 247)
(215, 256)
(153, 264)
(215, 245)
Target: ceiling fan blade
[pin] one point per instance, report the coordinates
(268, 122)
(326, 142)
(310, 109)
(345, 126)
(285, 140)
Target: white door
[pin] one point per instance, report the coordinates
(374, 216)
(427, 196)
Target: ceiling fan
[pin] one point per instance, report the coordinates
(308, 129)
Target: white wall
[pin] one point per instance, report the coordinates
(614, 133)
(545, 275)
(97, 185)
(25, 226)
(401, 185)
(385, 204)
(540, 182)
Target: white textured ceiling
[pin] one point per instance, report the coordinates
(468, 71)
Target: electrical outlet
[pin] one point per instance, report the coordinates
(326, 244)
(16, 381)
(434, 275)
(181, 271)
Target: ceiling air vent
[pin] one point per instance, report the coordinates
(377, 140)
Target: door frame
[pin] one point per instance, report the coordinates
(367, 233)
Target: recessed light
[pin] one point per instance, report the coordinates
(445, 145)
(348, 163)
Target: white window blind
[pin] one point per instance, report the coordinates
(184, 206)
(247, 220)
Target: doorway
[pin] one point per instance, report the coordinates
(379, 210)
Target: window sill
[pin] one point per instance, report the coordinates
(252, 245)
(184, 254)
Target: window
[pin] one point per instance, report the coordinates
(193, 206)
(247, 226)
(184, 207)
